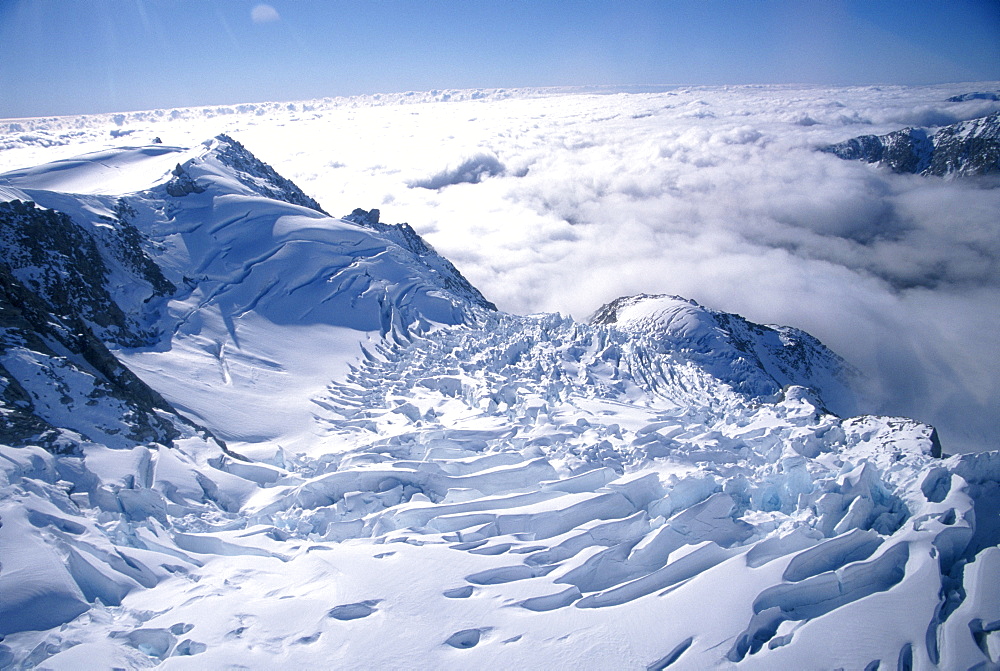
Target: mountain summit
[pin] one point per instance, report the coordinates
(238, 431)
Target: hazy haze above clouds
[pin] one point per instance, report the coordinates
(564, 202)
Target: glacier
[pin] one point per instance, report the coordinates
(241, 433)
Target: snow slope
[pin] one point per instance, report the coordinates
(259, 279)
(114, 171)
(412, 478)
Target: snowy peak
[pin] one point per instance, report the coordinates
(223, 160)
(252, 243)
(215, 210)
(963, 149)
(223, 260)
(756, 360)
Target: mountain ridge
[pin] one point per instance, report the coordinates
(964, 149)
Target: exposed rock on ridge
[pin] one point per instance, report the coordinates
(259, 176)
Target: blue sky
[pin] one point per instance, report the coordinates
(80, 56)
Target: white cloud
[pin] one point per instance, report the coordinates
(264, 13)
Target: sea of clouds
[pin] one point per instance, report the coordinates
(560, 203)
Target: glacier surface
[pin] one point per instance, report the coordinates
(251, 435)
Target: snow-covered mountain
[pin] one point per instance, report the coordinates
(757, 361)
(240, 432)
(965, 148)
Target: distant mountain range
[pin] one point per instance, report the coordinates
(963, 149)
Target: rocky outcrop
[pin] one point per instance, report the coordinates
(181, 183)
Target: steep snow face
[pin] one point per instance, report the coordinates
(404, 236)
(962, 149)
(663, 487)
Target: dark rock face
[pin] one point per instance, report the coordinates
(19, 424)
(57, 313)
(182, 184)
(66, 267)
(55, 372)
(123, 243)
(967, 148)
(962, 149)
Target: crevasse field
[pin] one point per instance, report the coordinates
(359, 463)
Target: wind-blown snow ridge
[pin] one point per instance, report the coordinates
(432, 482)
